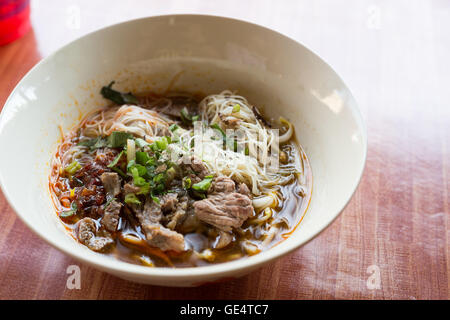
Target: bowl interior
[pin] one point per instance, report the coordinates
(189, 53)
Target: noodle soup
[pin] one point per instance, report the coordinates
(179, 180)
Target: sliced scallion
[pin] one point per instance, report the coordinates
(131, 198)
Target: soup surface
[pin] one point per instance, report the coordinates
(179, 180)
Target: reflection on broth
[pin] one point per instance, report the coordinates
(179, 180)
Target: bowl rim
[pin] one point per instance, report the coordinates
(98, 260)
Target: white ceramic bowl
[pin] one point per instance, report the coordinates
(186, 52)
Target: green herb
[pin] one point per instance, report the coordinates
(71, 212)
(118, 97)
(195, 118)
(246, 151)
(236, 108)
(73, 167)
(173, 127)
(131, 198)
(118, 139)
(116, 160)
(94, 143)
(203, 185)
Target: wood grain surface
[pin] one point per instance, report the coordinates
(394, 55)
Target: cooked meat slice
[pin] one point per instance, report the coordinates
(157, 235)
(190, 222)
(194, 168)
(152, 211)
(111, 216)
(164, 238)
(224, 210)
(223, 184)
(223, 240)
(86, 230)
(169, 202)
(130, 188)
(242, 188)
(87, 234)
(111, 183)
(178, 215)
(199, 167)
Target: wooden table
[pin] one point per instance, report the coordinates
(394, 55)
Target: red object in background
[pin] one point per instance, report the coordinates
(14, 19)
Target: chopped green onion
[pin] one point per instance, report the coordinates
(131, 150)
(170, 173)
(138, 170)
(162, 143)
(73, 167)
(154, 198)
(160, 177)
(141, 143)
(144, 189)
(130, 164)
(185, 116)
(173, 127)
(203, 185)
(159, 188)
(151, 162)
(131, 198)
(187, 183)
(142, 157)
(116, 160)
(236, 108)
